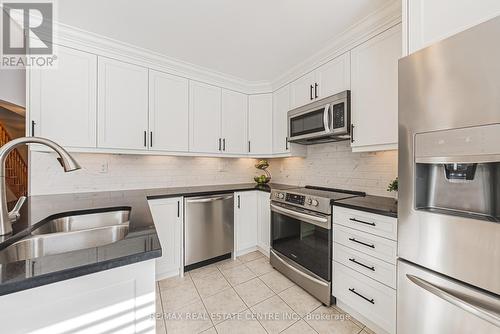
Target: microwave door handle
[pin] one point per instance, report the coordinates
(326, 118)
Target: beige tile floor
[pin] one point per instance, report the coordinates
(245, 295)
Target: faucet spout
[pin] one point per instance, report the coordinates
(67, 161)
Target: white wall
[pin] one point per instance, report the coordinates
(13, 86)
(135, 172)
(331, 165)
(334, 165)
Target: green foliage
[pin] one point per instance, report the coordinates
(393, 186)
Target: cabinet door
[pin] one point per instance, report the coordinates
(63, 99)
(281, 105)
(123, 105)
(302, 90)
(335, 76)
(260, 124)
(246, 219)
(374, 94)
(168, 218)
(204, 118)
(234, 122)
(430, 21)
(264, 221)
(168, 112)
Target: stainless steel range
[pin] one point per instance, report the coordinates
(301, 236)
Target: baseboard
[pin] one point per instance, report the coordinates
(163, 275)
(375, 328)
(264, 250)
(246, 251)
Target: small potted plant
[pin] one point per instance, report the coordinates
(264, 178)
(393, 186)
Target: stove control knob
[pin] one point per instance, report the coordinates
(280, 195)
(314, 202)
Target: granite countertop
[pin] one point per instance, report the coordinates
(386, 206)
(140, 244)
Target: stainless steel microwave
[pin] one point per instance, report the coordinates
(325, 120)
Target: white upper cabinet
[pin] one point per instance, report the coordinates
(204, 118)
(374, 93)
(328, 79)
(260, 125)
(302, 90)
(168, 112)
(63, 99)
(281, 106)
(430, 21)
(234, 122)
(123, 105)
(334, 77)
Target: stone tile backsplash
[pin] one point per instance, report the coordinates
(335, 165)
(330, 165)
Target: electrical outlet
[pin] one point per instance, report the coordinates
(104, 167)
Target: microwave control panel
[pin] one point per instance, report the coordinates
(338, 116)
(295, 199)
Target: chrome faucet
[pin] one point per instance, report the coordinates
(65, 159)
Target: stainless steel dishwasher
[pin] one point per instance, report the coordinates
(208, 229)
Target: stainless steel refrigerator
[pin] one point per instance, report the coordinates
(449, 185)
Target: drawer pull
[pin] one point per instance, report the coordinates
(362, 222)
(361, 264)
(362, 243)
(360, 295)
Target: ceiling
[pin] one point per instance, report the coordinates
(254, 40)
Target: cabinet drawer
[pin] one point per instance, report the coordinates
(368, 222)
(370, 298)
(372, 267)
(381, 248)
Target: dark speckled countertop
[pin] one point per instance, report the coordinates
(140, 244)
(386, 206)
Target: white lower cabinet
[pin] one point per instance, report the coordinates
(168, 219)
(373, 300)
(264, 221)
(245, 221)
(116, 300)
(364, 267)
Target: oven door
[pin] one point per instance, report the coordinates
(304, 237)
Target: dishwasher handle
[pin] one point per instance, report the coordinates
(206, 199)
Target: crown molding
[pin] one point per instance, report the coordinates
(358, 33)
(70, 36)
(370, 26)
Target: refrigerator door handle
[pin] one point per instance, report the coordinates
(470, 305)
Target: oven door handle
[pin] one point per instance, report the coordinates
(323, 222)
(326, 118)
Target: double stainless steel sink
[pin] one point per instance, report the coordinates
(70, 233)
